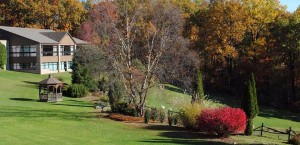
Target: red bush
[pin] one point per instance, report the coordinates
(223, 121)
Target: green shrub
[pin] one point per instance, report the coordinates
(175, 119)
(249, 103)
(116, 92)
(162, 116)
(154, 114)
(78, 90)
(65, 90)
(103, 98)
(123, 108)
(189, 115)
(147, 116)
(170, 117)
(3, 56)
(295, 140)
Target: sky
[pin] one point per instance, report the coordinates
(292, 5)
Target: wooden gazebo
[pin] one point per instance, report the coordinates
(50, 90)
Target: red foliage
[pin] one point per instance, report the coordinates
(223, 121)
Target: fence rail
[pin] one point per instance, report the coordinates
(264, 128)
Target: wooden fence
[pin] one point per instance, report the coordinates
(289, 132)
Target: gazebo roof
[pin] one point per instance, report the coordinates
(50, 81)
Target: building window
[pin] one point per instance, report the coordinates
(23, 51)
(67, 50)
(52, 66)
(70, 63)
(49, 50)
(23, 66)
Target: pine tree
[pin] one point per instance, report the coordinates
(200, 85)
(249, 104)
(3, 56)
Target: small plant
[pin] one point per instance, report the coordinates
(189, 114)
(77, 90)
(170, 117)
(154, 114)
(162, 116)
(147, 116)
(175, 119)
(103, 98)
(223, 121)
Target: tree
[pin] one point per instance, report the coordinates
(200, 85)
(287, 47)
(135, 29)
(88, 66)
(3, 56)
(249, 104)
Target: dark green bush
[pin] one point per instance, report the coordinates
(77, 90)
(154, 114)
(116, 93)
(147, 116)
(170, 117)
(162, 116)
(176, 119)
(123, 108)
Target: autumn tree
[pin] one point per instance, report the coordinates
(140, 31)
(285, 33)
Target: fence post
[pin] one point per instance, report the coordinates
(262, 129)
(289, 133)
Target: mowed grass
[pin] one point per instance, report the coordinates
(24, 120)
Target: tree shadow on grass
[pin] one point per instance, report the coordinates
(276, 113)
(44, 113)
(180, 135)
(75, 105)
(24, 99)
(174, 89)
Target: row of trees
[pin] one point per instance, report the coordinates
(237, 37)
(61, 15)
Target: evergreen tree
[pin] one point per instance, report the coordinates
(249, 104)
(200, 85)
(3, 57)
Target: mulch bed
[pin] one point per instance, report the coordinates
(120, 117)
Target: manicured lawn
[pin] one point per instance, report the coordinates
(24, 120)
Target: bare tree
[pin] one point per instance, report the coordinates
(136, 32)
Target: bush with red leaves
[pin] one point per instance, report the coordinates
(222, 121)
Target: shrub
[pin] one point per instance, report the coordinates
(170, 117)
(123, 108)
(153, 114)
(3, 56)
(116, 92)
(147, 116)
(175, 119)
(223, 121)
(162, 116)
(77, 90)
(103, 98)
(249, 103)
(295, 140)
(189, 115)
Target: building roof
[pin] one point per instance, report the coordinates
(41, 35)
(50, 81)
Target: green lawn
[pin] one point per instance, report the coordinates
(24, 120)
